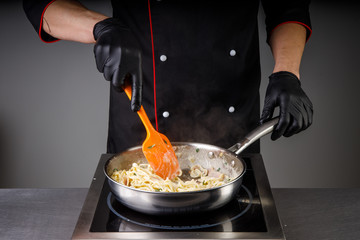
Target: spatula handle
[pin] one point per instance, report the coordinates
(142, 114)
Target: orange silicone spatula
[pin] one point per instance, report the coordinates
(157, 147)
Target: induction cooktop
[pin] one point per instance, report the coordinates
(251, 214)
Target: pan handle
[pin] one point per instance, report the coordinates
(254, 135)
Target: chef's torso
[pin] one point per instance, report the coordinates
(207, 72)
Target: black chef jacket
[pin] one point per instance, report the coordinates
(207, 67)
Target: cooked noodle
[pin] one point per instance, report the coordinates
(143, 177)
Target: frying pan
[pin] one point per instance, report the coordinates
(226, 161)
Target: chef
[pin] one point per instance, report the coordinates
(193, 65)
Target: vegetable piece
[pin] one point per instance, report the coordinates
(150, 147)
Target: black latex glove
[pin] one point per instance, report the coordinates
(118, 56)
(296, 110)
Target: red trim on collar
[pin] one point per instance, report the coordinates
(41, 21)
(301, 23)
(153, 56)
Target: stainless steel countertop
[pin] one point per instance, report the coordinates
(305, 213)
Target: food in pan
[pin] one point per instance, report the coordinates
(142, 177)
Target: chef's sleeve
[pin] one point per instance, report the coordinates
(278, 12)
(34, 10)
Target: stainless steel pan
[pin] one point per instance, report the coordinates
(227, 161)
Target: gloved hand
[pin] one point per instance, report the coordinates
(296, 110)
(118, 56)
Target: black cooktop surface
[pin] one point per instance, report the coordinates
(251, 215)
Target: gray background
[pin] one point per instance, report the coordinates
(54, 106)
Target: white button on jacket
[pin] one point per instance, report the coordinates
(163, 58)
(166, 114)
